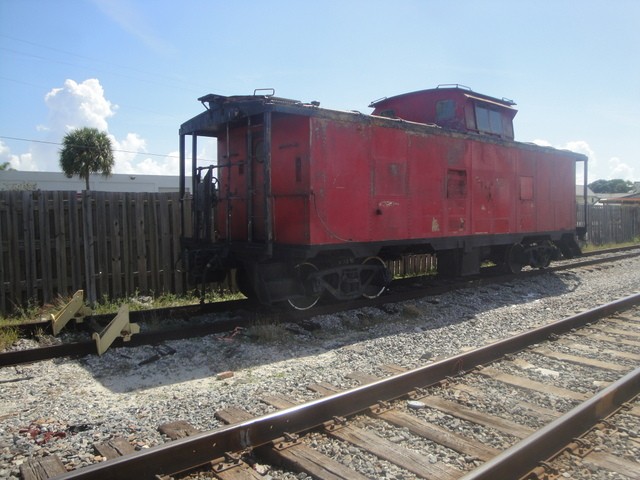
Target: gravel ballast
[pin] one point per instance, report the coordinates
(64, 406)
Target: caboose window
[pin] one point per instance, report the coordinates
(526, 188)
(445, 110)
(258, 150)
(488, 120)
(456, 183)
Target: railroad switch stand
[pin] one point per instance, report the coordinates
(75, 310)
(118, 327)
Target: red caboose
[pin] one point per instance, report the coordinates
(305, 200)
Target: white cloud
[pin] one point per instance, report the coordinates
(580, 146)
(78, 105)
(71, 106)
(542, 143)
(84, 104)
(125, 152)
(619, 169)
(597, 170)
(17, 162)
(166, 166)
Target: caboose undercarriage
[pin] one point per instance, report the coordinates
(302, 278)
(304, 202)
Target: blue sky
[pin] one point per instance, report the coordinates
(136, 68)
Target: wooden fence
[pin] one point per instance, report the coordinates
(609, 224)
(108, 244)
(116, 245)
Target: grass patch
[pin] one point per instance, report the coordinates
(607, 246)
(267, 332)
(33, 313)
(8, 336)
(139, 302)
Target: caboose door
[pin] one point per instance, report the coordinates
(259, 181)
(256, 188)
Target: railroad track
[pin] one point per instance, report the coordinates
(494, 412)
(402, 290)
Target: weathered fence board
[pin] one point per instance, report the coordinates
(109, 244)
(609, 224)
(115, 213)
(119, 244)
(76, 246)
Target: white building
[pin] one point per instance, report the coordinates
(47, 181)
(592, 198)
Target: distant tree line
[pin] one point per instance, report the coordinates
(611, 186)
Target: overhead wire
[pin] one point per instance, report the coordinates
(148, 76)
(32, 140)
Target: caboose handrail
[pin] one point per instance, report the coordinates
(272, 90)
(454, 85)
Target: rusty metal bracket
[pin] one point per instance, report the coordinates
(544, 471)
(380, 407)
(230, 461)
(579, 447)
(118, 327)
(626, 406)
(419, 392)
(605, 426)
(335, 424)
(75, 309)
(289, 440)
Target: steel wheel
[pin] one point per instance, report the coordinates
(243, 282)
(303, 270)
(515, 258)
(375, 280)
(543, 255)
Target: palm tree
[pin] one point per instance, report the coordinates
(86, 151)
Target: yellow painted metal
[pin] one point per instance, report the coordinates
(75, 310)
(118, 327)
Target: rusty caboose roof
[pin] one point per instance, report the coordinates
(454, 107)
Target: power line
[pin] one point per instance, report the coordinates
(149, 77)
(114, 150)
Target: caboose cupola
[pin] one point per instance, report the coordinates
(453, 107)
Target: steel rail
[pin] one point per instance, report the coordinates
(200, 449)
(185, 311)
(139, 316)
(82, 348)
(88, 347)
(526, 455)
